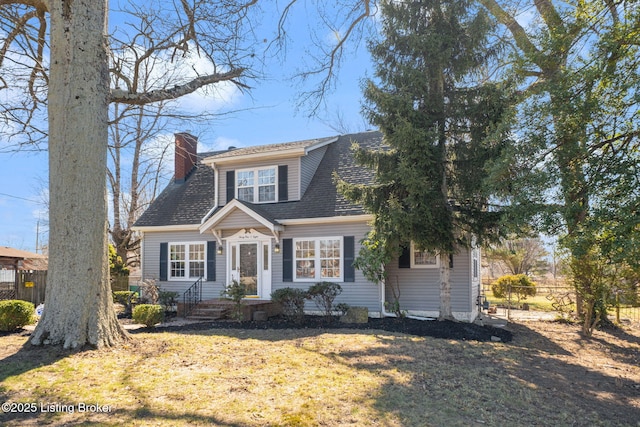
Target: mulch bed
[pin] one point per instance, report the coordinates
(424, 328)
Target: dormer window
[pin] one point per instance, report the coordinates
(257, 185)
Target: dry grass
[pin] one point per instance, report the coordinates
(546, 376)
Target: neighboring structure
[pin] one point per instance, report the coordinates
(270, 217)
(22, 275)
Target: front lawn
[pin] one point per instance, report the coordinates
(236, 377)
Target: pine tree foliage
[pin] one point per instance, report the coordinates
(440, 126)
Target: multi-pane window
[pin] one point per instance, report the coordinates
(330, 258)
(186, 260)
(317, 259)
(305, 259)
(257, 185)
(422, 258)
(245, 184)
(267, 185)
(177, 259)
(196, 260)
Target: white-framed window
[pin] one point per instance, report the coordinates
(423, 259)
(257, 185)
(318, 259)
(187, 260)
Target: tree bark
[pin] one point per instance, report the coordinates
(445, 288)
(78, 305)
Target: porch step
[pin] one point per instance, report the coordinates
(207, 313)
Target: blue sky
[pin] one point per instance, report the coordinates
(265, 115)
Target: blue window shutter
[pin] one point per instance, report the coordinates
(287, 260)
(164, 261)
(404, 261)
(283, 183)
(348, 258)
(231, 185)
(211, 261)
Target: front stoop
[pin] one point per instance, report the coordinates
(222, 309)
(208, 313)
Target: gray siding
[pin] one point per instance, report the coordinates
(237, 220)
(293, 171)
(361, 292)
(420, 289)
(151, 263)
(309, 165)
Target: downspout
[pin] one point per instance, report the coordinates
(385, 313)
(141, 259)
(215, 194)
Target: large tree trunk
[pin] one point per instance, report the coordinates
(78, 305)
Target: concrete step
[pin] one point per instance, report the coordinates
(206, 313)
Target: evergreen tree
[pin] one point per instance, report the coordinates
(440, 128)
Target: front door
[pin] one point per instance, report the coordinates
(248, 267)
(249, 261)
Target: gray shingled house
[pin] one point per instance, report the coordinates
(270, 217)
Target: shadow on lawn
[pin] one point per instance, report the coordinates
(529, 381)
(119, 417)
(428, 381)
(523, 383)
(28, 357)
(621, 353)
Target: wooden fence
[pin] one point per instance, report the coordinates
(31, 286)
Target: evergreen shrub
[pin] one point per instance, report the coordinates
(148, 314)
(14, 314)
(292, 302)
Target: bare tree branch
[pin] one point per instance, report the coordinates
(124, 97)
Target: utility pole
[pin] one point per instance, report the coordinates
(37, 233)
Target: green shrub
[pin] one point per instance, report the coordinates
(323, 294)
(14, 314)
(521, 286)
(125, 297)
(292, 302)
(167, 299)
(235, 292)
(148, 314)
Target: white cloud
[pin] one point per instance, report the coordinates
(166, 70)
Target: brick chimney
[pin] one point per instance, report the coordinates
(185, 157)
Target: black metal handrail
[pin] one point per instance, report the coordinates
(192, 297)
